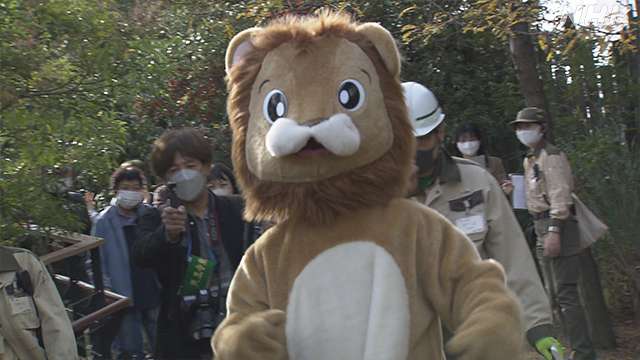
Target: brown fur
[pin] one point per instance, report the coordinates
(323, 201)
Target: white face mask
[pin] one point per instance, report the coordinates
(127, 199)
(223, 191)
(529, 137)
(188, 184)
(469, 148)
(68, 182)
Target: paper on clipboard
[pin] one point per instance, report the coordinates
(518, 197)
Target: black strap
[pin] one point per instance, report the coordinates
(429, 114)
(537, 174)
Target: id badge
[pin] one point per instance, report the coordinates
(20, 304)
(197, 275)
(472, 224)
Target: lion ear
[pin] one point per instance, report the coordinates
(384, 43)
(239, 47)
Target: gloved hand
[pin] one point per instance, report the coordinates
(544, 347)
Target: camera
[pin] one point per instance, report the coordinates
(171, 195)
(204, 313)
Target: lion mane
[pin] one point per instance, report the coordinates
(322, 201)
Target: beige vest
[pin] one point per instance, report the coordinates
(21, 314)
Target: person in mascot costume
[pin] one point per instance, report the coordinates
(323, 147)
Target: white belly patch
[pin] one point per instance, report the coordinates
(349, 303)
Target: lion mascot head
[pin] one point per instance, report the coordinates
(319, 122)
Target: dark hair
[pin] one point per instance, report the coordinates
(220, 170)
(124, 174)
(185, 141)
(471, 128)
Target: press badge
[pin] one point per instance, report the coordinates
(197, 275)
(472, 224)
(20, 304)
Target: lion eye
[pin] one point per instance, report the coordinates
(351, 94)
(275, 106)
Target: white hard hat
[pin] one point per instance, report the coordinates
(425, 113)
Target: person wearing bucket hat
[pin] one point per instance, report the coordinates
(470, 197)
(548, 187)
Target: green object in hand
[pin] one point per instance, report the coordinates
(550, 348)
(197, 275)
(425, 181)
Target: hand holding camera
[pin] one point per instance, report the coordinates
(174, 220)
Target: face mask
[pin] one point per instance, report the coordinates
(67, 182)
(189, 184)
(223, 191)
(63, 185)
(425, 160)
(127, 199)
(529, 137)
(469, 148)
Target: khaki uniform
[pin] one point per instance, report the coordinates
(548, 186)
(549, 182)
(21, 315)
(469, 197)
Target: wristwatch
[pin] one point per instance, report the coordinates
(554, 228)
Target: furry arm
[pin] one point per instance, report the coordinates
(471, 297)
(252, 330)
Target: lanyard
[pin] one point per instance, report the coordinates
(212, 255)
(215, 219)
(199, 270)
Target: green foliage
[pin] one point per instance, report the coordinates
(59, 58)
(608, 174)
(181, 64)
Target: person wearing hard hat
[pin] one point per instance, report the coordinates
(548, 187)
(470, 197)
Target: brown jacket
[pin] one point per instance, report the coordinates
(374, 285)
(493, 164)
(21, 314)
(469, 197)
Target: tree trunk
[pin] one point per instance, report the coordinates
(633, 132)
(592, 98)
(523, 55)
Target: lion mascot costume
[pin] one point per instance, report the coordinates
(322, 146)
